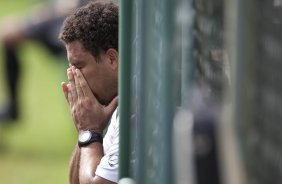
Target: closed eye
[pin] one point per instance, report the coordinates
(78, 65)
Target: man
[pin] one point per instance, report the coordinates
(90, 36)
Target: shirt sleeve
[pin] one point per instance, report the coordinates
(108, 167)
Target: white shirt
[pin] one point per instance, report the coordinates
(108, 167)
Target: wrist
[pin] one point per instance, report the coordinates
(87, 137)
(91, 128)
(81, 130)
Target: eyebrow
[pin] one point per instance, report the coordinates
(76, 63)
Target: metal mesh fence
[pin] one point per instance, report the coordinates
(259, 132)
(210, 80)
(209, 51)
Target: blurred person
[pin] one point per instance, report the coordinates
(43, 25)
(90, 36)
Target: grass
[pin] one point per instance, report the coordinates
(37, 147)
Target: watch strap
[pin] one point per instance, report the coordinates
(95, 137)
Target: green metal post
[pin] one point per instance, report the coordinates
(156, 92)
(166, 93)
(125, 51)
(241, 37)
(241, 45)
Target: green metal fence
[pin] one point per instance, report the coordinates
(200, 91)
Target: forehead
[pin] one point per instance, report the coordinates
(75, 48)
(75, 51)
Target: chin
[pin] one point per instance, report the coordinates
(105, 101)
(101, 101)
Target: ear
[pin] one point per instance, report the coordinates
(112, 55)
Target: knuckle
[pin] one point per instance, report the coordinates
(70, 78)
(73, 110)
(80, 103)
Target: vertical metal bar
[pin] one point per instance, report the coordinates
(157, 104)
(241, 46)
(125, 51)
(241, 40)
(183, 121)
(186, 15)
(142, 11)
(166, 92)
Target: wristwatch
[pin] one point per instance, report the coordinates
(87, 137)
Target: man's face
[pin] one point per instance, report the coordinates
(100, 75)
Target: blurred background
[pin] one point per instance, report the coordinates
(35, 147)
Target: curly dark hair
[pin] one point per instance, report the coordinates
(95, 25)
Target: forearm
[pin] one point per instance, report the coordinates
(90, 157)
(74, 166)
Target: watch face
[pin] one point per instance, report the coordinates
(84, 136)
